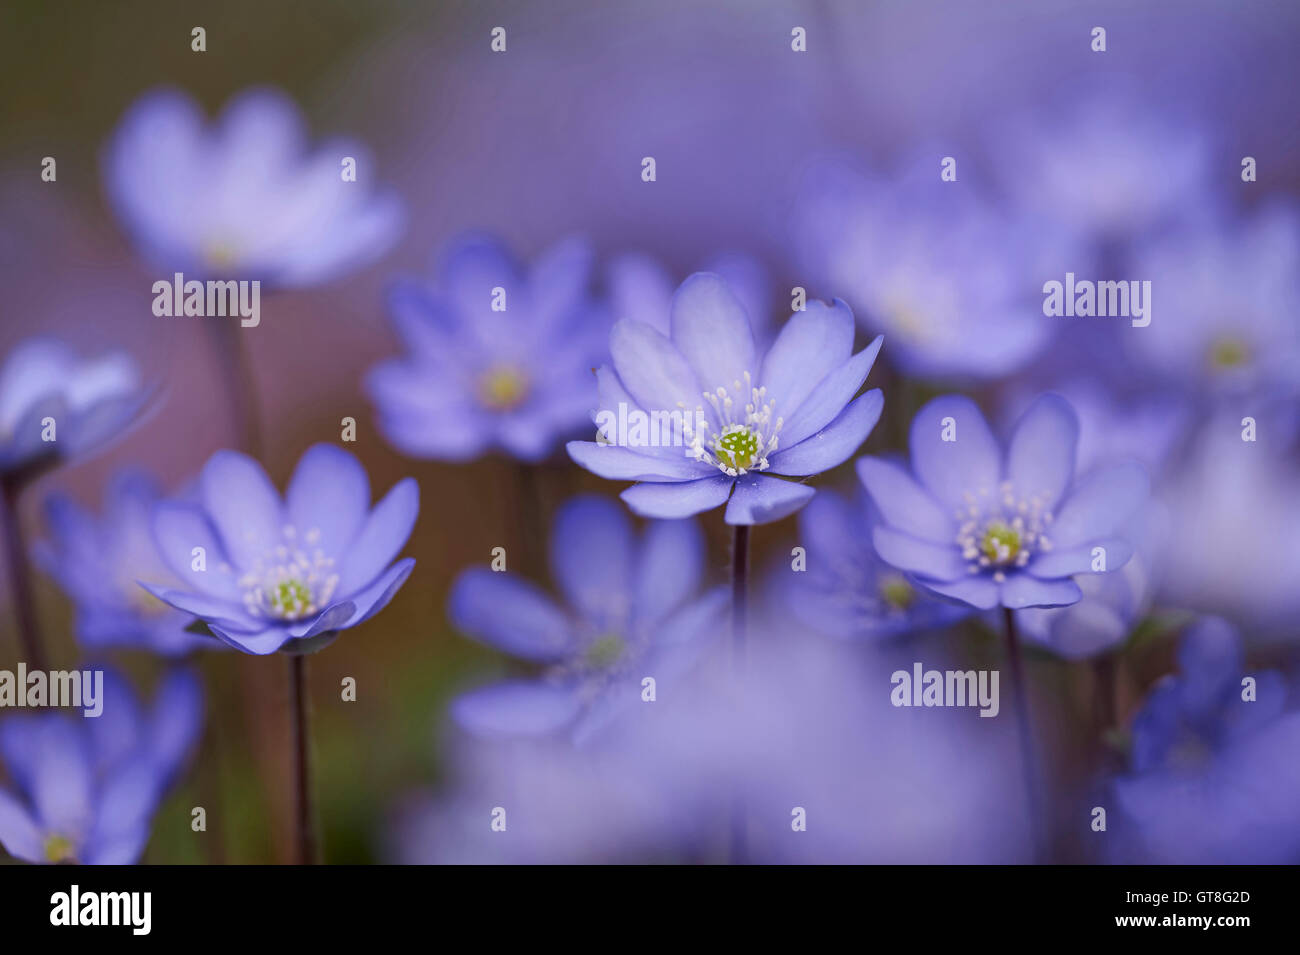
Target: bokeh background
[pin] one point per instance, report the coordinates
(543, 142)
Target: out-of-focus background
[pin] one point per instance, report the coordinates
(540, 142)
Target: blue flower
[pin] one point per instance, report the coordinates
(847, 590)
(242, 196)
(986, 528)
(91, 402)
(1111, 606)
(721, 414)
(98, 561)
(274, 572)
(88, 788)
(1213, 775)
(937, 270)
(631, 610)
(497, 355)
(1228, 299)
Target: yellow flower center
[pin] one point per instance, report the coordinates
(1001, 543)
(59, 849)
(502, 388)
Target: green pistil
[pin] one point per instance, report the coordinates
(290, 593)
(1229, 353)
(605, 651)
(738, 450)
(897, 592)
(502, 388)
(59, 849)
(1001, 543)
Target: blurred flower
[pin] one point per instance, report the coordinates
(642, 289)
(1231, 543)
(498, 355)
(99, 561)
(91, 401)
(809, 728)
(1213, 775)
(1228, 300)
(932, 267)
(1105, 166)
(88, 788)
(847, 591)
(275, 573)
(987, 529)
(1111, 606)
(242, 196)
(633, 609)
(795, 416)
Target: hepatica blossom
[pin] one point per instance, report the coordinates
(846, 590)
(498, 355)
(293, 571)
(632, 608)
(988, 528)
(88, 788)
(1213, 775)
(97, 561)
(90, 401)
(242, 195)
(735, 418)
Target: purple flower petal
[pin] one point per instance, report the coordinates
(926, 558)
(178, 529)
(330, 493)
(970, 463)
(1102, 505)
(19, 833)
(828, 399)
(377, 596)
(811, 345)
(759, 499)
(510, 613)
(515, 708)
(623, 464)
(225, 613)
(712, 332)
(902, 502)
(835, 443)
(669, 567)
(977, 590)
(381, 538)
(679, 499)
(243, 506)
(260, 644)
(1078, 560)
(591, 558)
(652, 369)
(1020, 591)
(1040, 460)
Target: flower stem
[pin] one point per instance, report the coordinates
(1029, 765)
(305, 822)
(241, 386)
(740, 590)
(738, 852)
(20, 580)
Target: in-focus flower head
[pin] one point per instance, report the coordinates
(87, 788)
(97, 561)
(846, 590)
(276, 572)
(499, 355)
(242, 195)
(1213, 775)
(633, 607)
(91, 402)
(726, 417)
(988, 528)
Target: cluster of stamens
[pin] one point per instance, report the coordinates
(293, 580)
(1001, 530)
(744, 441)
